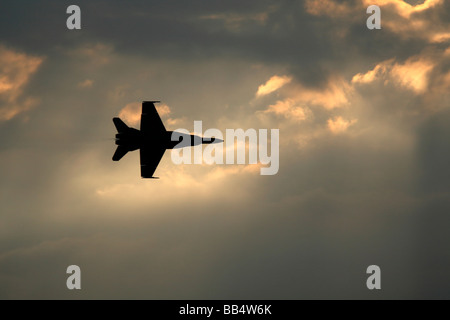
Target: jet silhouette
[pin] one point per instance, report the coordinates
(152, 140)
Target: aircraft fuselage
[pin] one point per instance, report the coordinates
(135, 139)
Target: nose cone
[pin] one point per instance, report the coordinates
(211, 140)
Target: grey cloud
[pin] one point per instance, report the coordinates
(374, 195)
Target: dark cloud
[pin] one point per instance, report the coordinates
(373, 192)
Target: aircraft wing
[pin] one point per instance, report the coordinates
(150, 158)
(151, 123)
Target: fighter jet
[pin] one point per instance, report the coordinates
(152, 140)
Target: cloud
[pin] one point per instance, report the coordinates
(339, 124)
(403, 8)
(96, 54)
(273, 84)
(413, 21)
(298, 101)
(16, 69)
(372, 75)
(131, 113)
(288, 108)
(235, 21)
(163, 109)
(88, 83)
(327, 7)
(440, 37)
(203, 179)
(333, 94)
(413, 74)
(13, 109)
(406, 21)
(328, 196)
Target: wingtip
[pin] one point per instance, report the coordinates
(153, 101)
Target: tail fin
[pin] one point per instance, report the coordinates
(120, 125)
(120, 152)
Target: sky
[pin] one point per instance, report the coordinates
(364, 127)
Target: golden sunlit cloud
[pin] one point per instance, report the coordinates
(186, 180)
(223, 172)
(298, 100)
(408, 20)
(334, 95)
(131, 113)
(299, 104)
(163, 109)
(403, 8)
(400, 17)
(273, 84)
(339, 124)
(15, 71)
(413, 74)
(440, 37)
(371, 75)
(289, 109)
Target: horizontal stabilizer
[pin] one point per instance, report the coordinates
(120, 152)
(120, 125)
